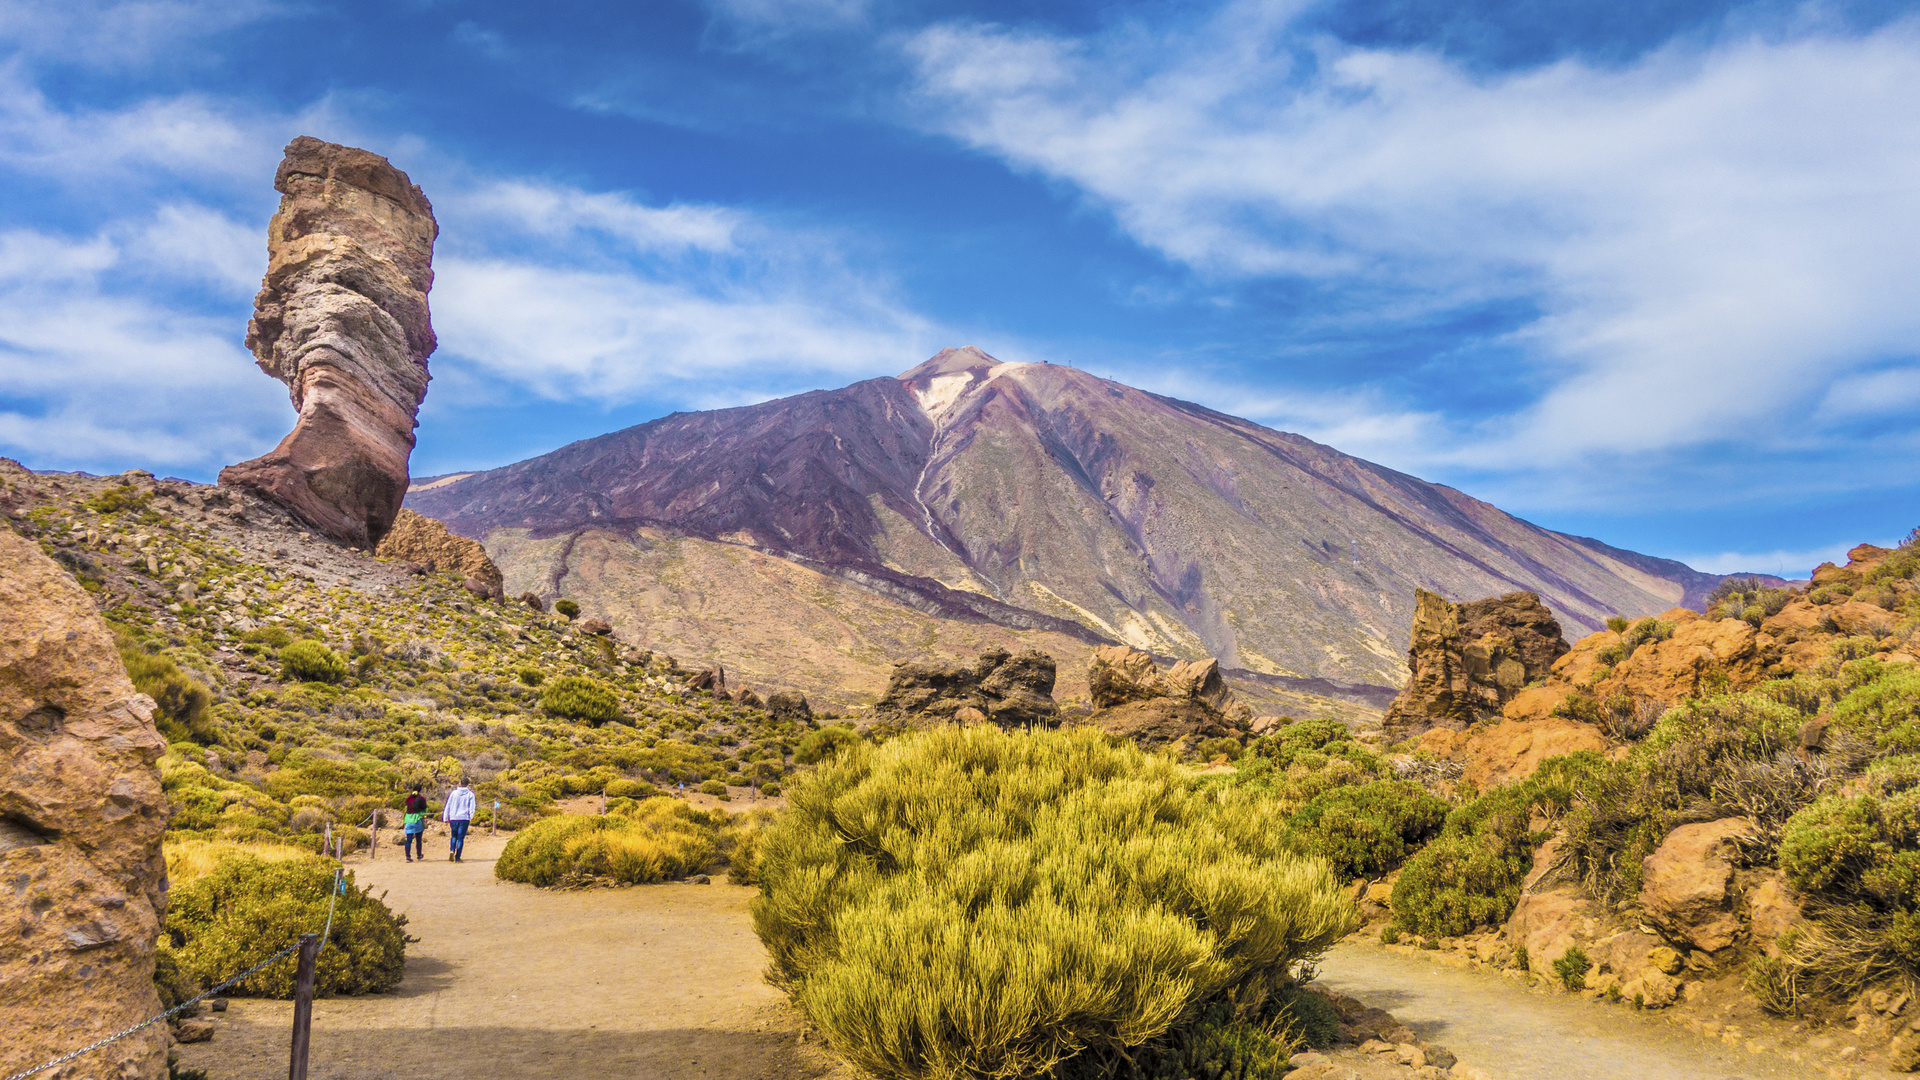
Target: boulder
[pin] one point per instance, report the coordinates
(342, 319)
(596, 627)
(747, 699)
(1772, 909)
(1009, 690)
(420, 540)
(81, 815)
(1467, 660)
(787, 705)
(1511, 751)
(1687, 883)
(713, 680)
(532, 600)
(1134, 699)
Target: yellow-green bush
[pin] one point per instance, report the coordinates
(1366, 830)
(181, 712)
(577, 697)
(247, 908)
(1304, 760)
(633, 844)
(967, 902)
(311, 661)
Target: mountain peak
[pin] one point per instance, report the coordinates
(968, 360)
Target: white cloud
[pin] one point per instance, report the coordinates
(114, 34)
(765, 19)
(186, 136)
(95, 376)
(558, 213)
(1714, 236)
(612, 336)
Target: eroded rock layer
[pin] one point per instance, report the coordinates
(1468, 660)
(342, 319)
(426, 542)
(1135, 700)
(1010, 690)
(81, 815)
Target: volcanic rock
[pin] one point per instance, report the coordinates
(1686, 884)
(418, 539)
(342, 319)
(786, 705)
(596, 627)
(1467, 660)
(81, 815)
(1010, 690)
(1135, 700)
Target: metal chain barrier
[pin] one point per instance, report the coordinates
(333, 895)
(144, 1024)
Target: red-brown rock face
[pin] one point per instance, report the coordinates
(1467, 660)
(81, 815)
(342, 320)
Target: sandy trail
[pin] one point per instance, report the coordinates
(660, 981)
(1497, 1025)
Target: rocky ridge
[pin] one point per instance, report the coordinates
(342, 319)
(425, 543)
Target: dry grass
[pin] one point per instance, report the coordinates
(190, 858)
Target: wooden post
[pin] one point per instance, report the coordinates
(494, 826)
(326, 838)
(373, 837)
(303, 1007)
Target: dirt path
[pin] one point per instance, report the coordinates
(661, 981)
(1498, 1025)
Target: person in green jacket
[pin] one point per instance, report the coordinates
(415, 837)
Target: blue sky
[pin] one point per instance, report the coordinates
(1646, 271)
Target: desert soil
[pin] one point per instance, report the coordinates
(507, 980)
(1516, 1034)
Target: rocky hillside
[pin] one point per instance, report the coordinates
(967, 494)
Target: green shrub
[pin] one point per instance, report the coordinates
(1884, 711)
(269, 637)
(740, 842)
(530, 676)
(1365, 831)
(118, 498)
(1640, 633)
(1617, 624)
(247, 908)
(567, 607)
(654, 840)
(181, 701)
(1213, 749)
(311, 661)
(1470, 876)
(630, 789)
(577, 697)
(1304, 760)
(1571, 969)
(824, 743)
(1101, 897)
(1219, 1044)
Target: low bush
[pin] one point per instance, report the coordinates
(1099, 896)
(1365, 831)
(641, 843)
(577, 697)
(1470, 875)
(1304, 760)
(1219, 1044)
(1856, 857)
(1572, 967)
(244, 910)
(1640, 633)
(180, 700)
(713, 787)
(824, 743)
(311, 661)
(567, 607)
(1884, 711)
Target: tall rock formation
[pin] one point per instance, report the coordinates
(418, 539)
(1012, 691)
(342, 319)
(1468, 660)
(81, 815)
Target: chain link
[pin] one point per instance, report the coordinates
(142, 1025)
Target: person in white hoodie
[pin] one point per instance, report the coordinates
(457, 812)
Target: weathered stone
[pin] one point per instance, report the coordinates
(746, 698)
(786, 705)
(595, 627)
(1514, 750)
(418, 539)
(530, 599)
(81, 814)
(1466, 660)
(1009, 690)
(1549, 921)
(1135, 700)
(713, 679)
(342, 319)
(1686, 884)
(1903, 1053)
(195, 1031)
(1771, 909)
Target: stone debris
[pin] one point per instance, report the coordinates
(1007, 689)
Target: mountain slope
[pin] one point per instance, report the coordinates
(1048, 492)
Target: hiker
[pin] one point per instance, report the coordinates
(458, 814)
(414, 835)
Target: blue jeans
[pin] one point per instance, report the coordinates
(457, 836)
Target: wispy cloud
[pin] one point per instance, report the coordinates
(116, 34)
(1714, 235)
